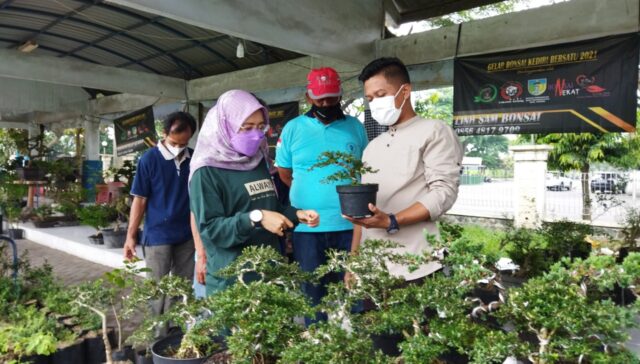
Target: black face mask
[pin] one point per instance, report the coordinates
(327, 113)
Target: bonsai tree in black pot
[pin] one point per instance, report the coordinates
(98, 216)
(105, 297)
(354, 197)
(196, 342)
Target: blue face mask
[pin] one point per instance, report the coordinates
(247, 142)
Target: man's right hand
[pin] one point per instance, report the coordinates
(130, 248)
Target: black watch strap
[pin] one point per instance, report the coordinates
(393, 225)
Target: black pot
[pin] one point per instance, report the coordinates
(36, 359)
(387, 343)
(355, 200)
(159, 348)
(94, 351)
(124, 355)
(114, 239)
(47, 223)
(15, 234)
(96, 239)
(143, 358)
(73, 353)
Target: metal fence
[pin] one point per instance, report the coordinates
(611, 193)
(608, 196)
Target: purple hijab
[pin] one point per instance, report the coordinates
(213, 148)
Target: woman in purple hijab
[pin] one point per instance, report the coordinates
(233, 198)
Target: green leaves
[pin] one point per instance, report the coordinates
(352, 168)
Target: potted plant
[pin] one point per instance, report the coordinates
(106, 298)
(194, 344)
(354, 196)
(98, 216)
(13, 214)
(42, 216)
(259, 309)
(11, 205)
(36, 149)
(115, 237)
(569, 318)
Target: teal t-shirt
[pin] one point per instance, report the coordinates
(303, 139)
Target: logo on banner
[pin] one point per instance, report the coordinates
(486, 94)
(537, 86)
(511, 90)
(589, 84)
(563, 88)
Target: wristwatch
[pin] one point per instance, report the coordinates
(256, 217)
(393, 226)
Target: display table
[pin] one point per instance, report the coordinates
(31, 192)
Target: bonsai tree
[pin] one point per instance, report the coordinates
(568, 314)
(97, 216)
(354, 197)
(186, 312)
(258, 310)
(352, 168)
(105, 298)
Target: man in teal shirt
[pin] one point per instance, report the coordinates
(324, 128)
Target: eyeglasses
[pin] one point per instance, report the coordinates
(262, 127)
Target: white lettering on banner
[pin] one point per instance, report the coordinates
(257, 187)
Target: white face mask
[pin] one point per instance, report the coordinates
(174, 150)
(383, 109)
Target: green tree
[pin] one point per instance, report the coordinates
(578, 151)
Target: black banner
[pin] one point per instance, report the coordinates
(135, 131)
(587, 86)
(279, 114)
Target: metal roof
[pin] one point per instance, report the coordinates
(106, 34)
(110, 35)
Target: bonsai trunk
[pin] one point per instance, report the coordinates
(119, 327)
(586, 198)
(105, 337)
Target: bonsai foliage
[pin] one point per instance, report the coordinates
(535, 250)
(11, 200)
(30, 331)
(258, 310)
(26, 327)
(104, 297)
(186, 312)
(566, 310)
(97, 216)
(352, 168)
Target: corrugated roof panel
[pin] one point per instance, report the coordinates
(102, 57)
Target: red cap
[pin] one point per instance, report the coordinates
(323, 82)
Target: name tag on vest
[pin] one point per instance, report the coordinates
(258, 187)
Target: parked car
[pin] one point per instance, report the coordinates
(556, 182)
(609, 182)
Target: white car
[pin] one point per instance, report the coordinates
(556, 182)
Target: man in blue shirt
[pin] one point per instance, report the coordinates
(160, 191)
(324, 128)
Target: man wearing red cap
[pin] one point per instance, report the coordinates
(324, 128)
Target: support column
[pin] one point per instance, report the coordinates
(530, 168)
(92, 165)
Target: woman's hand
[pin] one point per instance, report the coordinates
(201, 268)
(309, 217)
(275, 222)
(349, 279)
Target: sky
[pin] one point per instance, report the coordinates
(422, 26)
